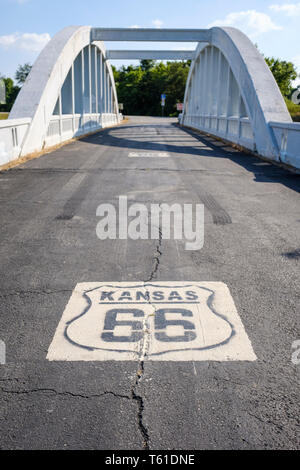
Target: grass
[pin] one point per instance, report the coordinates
(294, 110)
(3, 116)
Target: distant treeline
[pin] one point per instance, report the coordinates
(140, 87)
(11, 89)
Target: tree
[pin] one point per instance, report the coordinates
(140, 88)
(147, 64)
(284, 74)
(11, 92)
(22, 73)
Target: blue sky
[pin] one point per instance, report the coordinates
(27, 25)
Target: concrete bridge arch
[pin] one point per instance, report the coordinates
(71, 77)
(230, 92)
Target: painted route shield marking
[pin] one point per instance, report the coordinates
(157, 321)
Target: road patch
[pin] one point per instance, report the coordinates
(148, 155)
(156, 321)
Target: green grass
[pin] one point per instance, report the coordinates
(294, 110)
(3, 116)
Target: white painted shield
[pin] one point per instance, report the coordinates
(158, 321)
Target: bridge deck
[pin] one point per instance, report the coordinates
(49, 244)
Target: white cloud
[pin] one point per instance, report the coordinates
(290, 9)
(134, 26)
(28, 41)
(158, 23)
(250, 22)
(7, 41)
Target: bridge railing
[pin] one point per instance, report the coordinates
(231, 93)
(67, 126)
(288, 138)
(61, 128)
(235, 129)
(12, 136)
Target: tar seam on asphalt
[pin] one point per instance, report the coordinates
(141, 369)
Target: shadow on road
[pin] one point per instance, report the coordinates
(263, 171)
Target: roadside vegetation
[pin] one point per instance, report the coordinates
(12, 89)
(140, 87)
(294, 109)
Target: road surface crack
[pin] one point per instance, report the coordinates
(134, 396)
(141, 369)
(140, 402)
(34, 292)
(66, 394)
(269, 421)
(156, 258)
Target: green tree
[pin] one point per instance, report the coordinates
(127, 80)
(284, 74)
(176, 83)
(22, 73)
(11, 94)
(147, 64)
(140, 88)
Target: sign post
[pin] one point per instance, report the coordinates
(163, 103)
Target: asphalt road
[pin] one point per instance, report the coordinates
(49, 244)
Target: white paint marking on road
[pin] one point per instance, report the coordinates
(157, 321)
(148, 155)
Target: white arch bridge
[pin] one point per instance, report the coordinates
(230, 91)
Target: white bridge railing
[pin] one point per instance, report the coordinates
(235, 129)
(239, 131)
(288, 140)
(67, 126)
(12, 135)
(13, 132)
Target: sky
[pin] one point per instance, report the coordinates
(27, 25)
